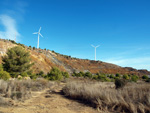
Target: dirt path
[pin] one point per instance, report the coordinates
(48, 101)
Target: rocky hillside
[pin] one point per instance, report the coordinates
(44, 60)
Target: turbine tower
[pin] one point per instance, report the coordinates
(39, 34)
(95, 50)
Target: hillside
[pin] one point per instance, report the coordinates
(44, 60)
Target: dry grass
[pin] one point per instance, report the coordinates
(21, 89)
(134, 98)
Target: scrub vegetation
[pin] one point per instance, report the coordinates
(133, 98)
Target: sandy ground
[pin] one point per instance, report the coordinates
(48, 101)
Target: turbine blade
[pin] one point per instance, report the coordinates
(39, 29)
(97, 46)
(40, 34)
(35, 33)
(92, 45)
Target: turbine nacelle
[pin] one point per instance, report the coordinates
(95, 46)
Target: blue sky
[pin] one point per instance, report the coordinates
(120, 27)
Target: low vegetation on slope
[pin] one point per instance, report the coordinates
(110, 77)
(17, 63)
(133, 98)
(45, 59)
(98, 66)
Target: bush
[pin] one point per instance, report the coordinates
(13, 41)
(80, 74)
(55, 74)
(65, 74)
(107, 79)
(126, 77)
(88, 74)
(118, 75)
(148, 80)
(144, 77)
(134, 78)
(95, 77)
(74, 74)
(1, 68)
(34, 48)
(24, 74)
(111, 76)
(103, 77)
(33, 76)
(4, 75)
(41, 74)
(120, 83)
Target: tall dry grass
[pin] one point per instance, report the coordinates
(21, 89)
(133, 98)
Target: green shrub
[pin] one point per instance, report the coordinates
(13, 41)
(80, 74)
(107, 79)
(74, 74)
(41, 74)
(118, 75)
(95, 77)
(134, 78)
(88, 74)
(148, 80)
(1, 67)
(55, 74)
(29, 72)
(126, 77)
(120, 83)
(102, 77)
(111, 76)
(65, 74)
(144, 77)
(34, 48)
(4, 75)
(24, 74)
(33, 76)
(117, 78)
(30, 47)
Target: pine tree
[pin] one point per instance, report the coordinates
(16, 61)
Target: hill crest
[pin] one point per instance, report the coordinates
(45, 59)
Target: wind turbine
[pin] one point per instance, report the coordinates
(39, 34)
(95, 50)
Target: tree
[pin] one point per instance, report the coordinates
(16, 61)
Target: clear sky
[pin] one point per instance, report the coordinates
(120, 27)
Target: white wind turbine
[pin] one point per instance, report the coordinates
(95, 50)
(39, 34)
